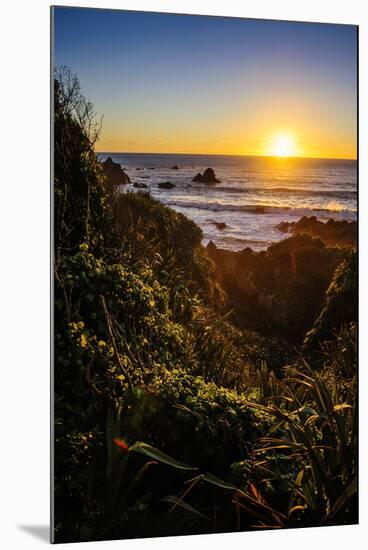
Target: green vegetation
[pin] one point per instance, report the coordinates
(265, 288)
(175, 411)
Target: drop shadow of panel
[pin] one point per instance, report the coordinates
(41, 532)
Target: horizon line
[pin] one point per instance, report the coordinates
(225, 155)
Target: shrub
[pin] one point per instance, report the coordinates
(340, 306)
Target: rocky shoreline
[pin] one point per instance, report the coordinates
(336, 233)
(281, 290)
(332, 233)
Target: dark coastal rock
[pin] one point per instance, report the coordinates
(277, 292)
(114, 173)
(208, 176)
(175, 167)
(333, 232)
(259, 209)
(211, 246)
(219, 225)
(247, 251)
(140, 185)
(283, 227)
(166, 185)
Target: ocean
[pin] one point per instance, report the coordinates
(254, 196)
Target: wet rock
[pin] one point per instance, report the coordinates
(283, 227)
(175, 167)
(166, 185)
(208, 176)
(219, 225)
(140, 185)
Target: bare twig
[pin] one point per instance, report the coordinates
(89, 379)
(62, 286)
(109, 328)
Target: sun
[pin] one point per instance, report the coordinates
(283, 145)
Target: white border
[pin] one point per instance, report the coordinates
(24, 309)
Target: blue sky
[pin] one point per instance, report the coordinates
(177, 83)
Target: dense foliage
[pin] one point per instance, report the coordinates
(265, 288)
(174, 415)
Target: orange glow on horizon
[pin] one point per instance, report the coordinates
(273, 143)
(124, 148)
(283, 145)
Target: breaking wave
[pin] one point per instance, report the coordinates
(265, 209)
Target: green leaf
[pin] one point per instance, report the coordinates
(148, 450)
(342, 501)
(299, 478)
(172, 499)
(217, 481)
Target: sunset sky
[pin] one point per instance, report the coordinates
(188, 84)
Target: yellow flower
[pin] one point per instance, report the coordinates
(83, 341)
(80, 324)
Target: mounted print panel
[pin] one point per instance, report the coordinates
(205, 274)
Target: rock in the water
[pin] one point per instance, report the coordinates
(166, 185)
(114, 173)
(175, 167)
(208, 176)
(283, 227)
(220, 225)
(140, 185)
(343, 233)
